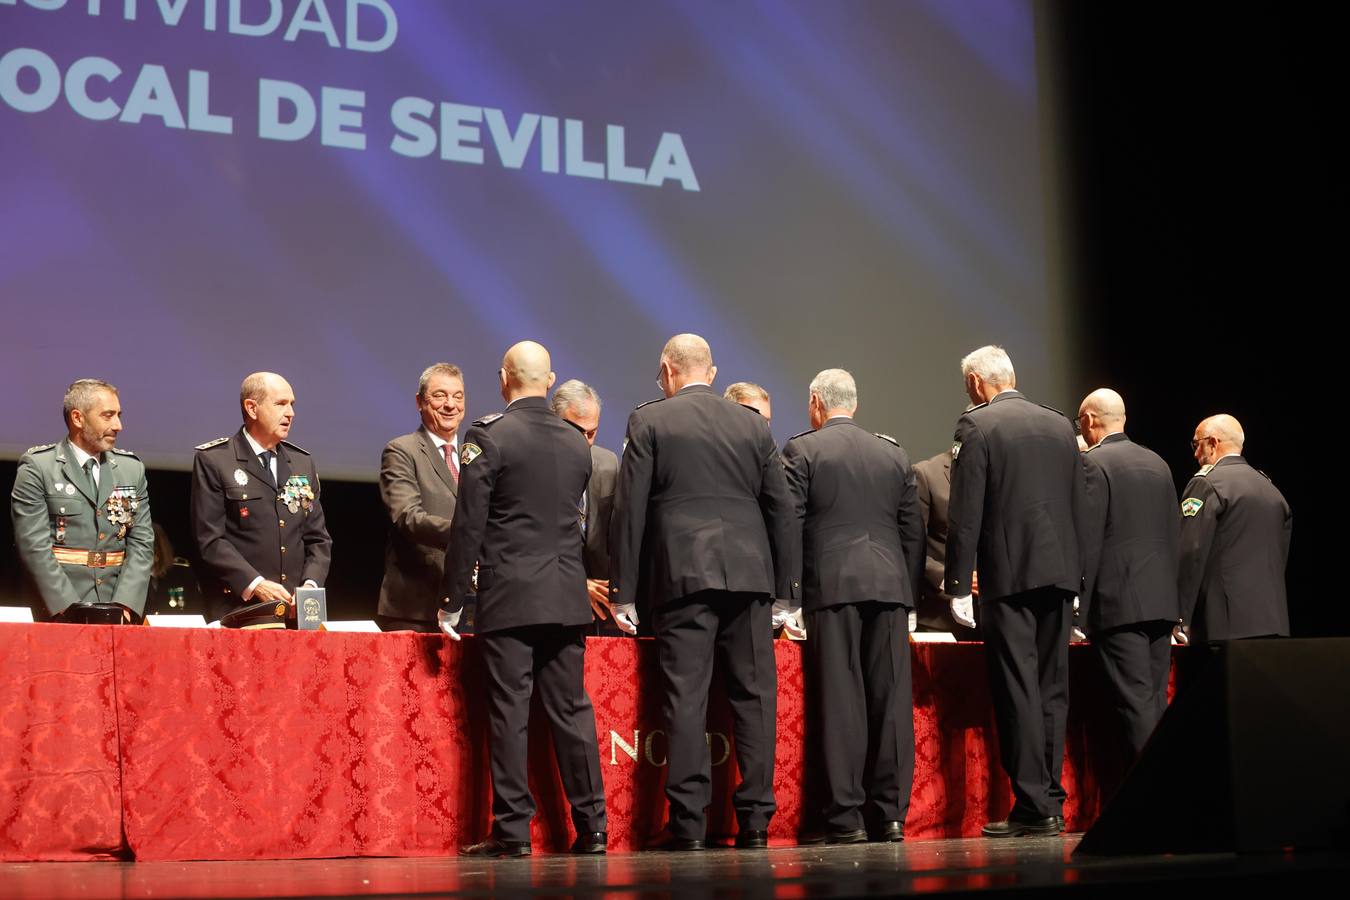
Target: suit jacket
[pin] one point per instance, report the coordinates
(418, 491)
(857, 511)
(599, 511)
(1130, 536)
(246, 527)
(53, 506)
(1017, 487)
(1235, 530)
(933, 478)
(701, 479)
(521, 477)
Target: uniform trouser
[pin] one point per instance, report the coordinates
(861, 656)
(737, 629)
(1026, 646)
(551, 658)
(1137, 659)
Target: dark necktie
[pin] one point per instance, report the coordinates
(266, 457)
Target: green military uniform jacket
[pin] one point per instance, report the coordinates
(70, 539)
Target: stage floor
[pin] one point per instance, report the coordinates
(963, 866)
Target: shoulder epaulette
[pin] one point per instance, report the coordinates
(294, 447)
(482, 421)
(180, 561)
(747, 406)
(575, 425)
(1052, 409)
(209, 444)
(648, 403)
(886, 437)
(1265, 476)
(1093, 447)
(39, 448)
(120, 452)
(977, 406)
(1204, 470)
(802, 434)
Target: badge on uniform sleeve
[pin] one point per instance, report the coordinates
(1190, 506)
(240, 477)
(468, 453)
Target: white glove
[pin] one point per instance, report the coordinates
(963, 610)
(1181, 635)
(447, 621)
(626, 617)
(1076, 635)
(789, 618)
(912, 621)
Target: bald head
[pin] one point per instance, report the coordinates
(1102, 412)
(1217, 437)
(526, 371)
(685, 359)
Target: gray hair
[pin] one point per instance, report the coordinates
(81, 395)
(745, 391)
(836, 389)
(572, 393)
(450, 370)
(992, 364)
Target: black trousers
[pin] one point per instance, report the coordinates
(737, 629)
(861, 656)
(1026, 645)
(551, 658)
(1137, 659)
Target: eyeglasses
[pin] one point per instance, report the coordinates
(1196, 442)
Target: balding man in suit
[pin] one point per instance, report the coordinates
(523, 472)
(1235, 531)
(1130, 538)
(702, 484)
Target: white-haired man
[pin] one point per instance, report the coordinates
(1017, 483)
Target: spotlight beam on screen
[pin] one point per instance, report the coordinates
(869, 194)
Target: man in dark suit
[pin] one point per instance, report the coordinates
(1235, 530)
(1129, 541)
(522, 475)
(702, 483)
(861, 561)
(578, 403)
(419, 480)
(256, 512)
(1017, 483)
(933, 478)
(747, 393)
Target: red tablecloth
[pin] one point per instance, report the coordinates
(60, 790)
(250, 745)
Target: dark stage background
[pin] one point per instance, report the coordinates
(1194, 173)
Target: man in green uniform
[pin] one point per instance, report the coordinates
(81, 515)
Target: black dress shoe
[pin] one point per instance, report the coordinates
(833, 837)
(672, 844)
(495, 848)
(591, 842)
(890, 832)
(749, 839)
(857, 836)
(1018, 826)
